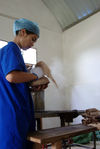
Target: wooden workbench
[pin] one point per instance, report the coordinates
(54, 136)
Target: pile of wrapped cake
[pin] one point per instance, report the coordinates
(91, 117)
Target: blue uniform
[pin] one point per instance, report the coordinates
(16, 107)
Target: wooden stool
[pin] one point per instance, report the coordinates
(54, 136)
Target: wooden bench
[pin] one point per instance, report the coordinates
(54, 136)
(64, 115)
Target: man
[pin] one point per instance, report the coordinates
(16, 107)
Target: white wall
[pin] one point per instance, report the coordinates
(49, 45)
(81, 50)
(81, 45)
(32, 9)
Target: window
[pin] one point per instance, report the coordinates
(2, 43)
(28, 55)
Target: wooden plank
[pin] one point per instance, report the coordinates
(52, 135)
(43, 114)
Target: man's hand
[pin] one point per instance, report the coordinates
(29, 67)
(39, 88)
(39, 85)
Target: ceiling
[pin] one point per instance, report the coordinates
(71, 12)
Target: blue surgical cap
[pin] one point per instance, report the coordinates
(26, 24)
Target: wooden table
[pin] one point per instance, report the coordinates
(65, 116)
(56, 135)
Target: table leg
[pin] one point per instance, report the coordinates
(39, 123)
(94, 139)
(36, 146)
(57, 145)
(62, 121)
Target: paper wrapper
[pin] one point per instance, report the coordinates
(46, 71)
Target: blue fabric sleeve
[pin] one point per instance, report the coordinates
(12, 59)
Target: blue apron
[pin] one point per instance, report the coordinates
(16, 106)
